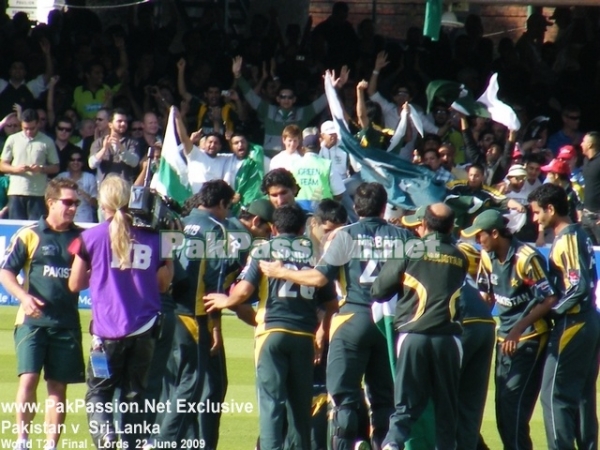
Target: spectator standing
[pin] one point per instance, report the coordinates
(64, 130)
(568, 134)
(115, 153)
(315, 176)
(28, 158)
(87, 187)
(91, 96)
(591, 193)
(276, 118)
(17, 90)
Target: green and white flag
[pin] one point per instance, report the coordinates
(171, 179)
(383, 316)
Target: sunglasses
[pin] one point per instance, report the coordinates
(137, 129)
(76, 159)
(64, 129)
(286, 97)
(68, 202)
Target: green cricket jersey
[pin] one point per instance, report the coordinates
(366, 244)
(205, 268)
(517, 285)
(428, 289)
(283, 305)
(41, 253)
(573, 270)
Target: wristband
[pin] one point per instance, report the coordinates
(376, 72)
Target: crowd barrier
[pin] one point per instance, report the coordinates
(9, 227)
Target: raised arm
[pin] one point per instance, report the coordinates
(361, 107)
(45, 45)
(50, 101)
(182, 132)
(380, 62)
(181, 87)
(119, 42)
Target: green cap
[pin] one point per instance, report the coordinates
(442, 90)
(261, 208)
(486, 221)
(414, 220)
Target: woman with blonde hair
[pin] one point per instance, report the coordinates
(123, 268)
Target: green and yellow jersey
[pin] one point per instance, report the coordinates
(573, 270)
(428, 289)
(205, 267)
(42, 254)
(354, 256)
(285, 306)
(516, 285)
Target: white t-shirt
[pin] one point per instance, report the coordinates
(233, 165)
(528, 188)
(285, 160)
(203, 168)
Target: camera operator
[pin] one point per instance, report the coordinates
(122, 266)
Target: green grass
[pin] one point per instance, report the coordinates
(238, 430)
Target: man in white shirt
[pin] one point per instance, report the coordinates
(205, 165)
(330, 149)
(533, 166)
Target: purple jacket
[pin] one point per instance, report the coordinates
(122, 300)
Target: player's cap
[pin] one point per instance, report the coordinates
(486, 221)
(328, 127)
(567, 152)
(414, 220)
(557, 166)
(516, 170)
(261, 208)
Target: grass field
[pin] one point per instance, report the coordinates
(238, 430)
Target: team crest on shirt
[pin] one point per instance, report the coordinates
(514, 282)
(574, 277)
(49, 250)
(494, 279)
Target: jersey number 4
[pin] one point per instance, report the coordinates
(290, 290)
(370, 271)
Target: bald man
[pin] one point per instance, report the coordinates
(429, 348)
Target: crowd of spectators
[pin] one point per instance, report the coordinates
(83, 101)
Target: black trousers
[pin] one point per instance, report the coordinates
(129, 362)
